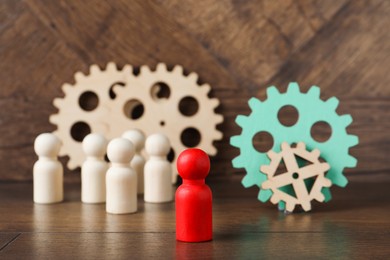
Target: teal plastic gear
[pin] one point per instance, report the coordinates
(311, 109)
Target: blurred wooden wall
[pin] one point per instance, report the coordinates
(238, 47)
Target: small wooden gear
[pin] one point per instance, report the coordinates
(168, 102)
(296, 176)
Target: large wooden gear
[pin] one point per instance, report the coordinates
(164, 101)
(296, 176)
(171, 103)
(75, 115)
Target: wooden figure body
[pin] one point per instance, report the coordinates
(48, 171)
(93, 170)
(138, 162)
(121, 180)
(158, 170)
(193, 198)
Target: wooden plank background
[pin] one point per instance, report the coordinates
(239, 47)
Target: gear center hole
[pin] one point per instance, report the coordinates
(160, 91)
(295, 175)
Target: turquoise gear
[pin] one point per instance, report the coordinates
(311, 109)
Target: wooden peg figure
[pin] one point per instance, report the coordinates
(138, 162)
(193, 198)
(93, 170)
(48, 173)
(121, 180)
(158, 170)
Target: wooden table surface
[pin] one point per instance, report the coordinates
(354, 225)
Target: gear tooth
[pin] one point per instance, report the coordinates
(264, 195)
(332, 103)
(79, 76)
(218, 118)
(214, 103)
(350, 162)
(282, 207)
(212, 150)
(178, 70)
(193, 77)
(346, 120)
(266, 169)
(314, 92)
(352, 140)
(242, 120)
(340, 181)
(128, 69)
(161, 67)
(271, 154)
(218, 135)
(247, 182)
(327, 194)
(290, 207)
(71, 164)
(57, 102)
(306, 205)
(301, 145)
(111, 66)
(236, 141)
(272, 92)
(67, 88)
(319, 197)
(94, 69)
(293, 87)
(325, 166)
(238, 162)
(254, 103)
(274, 200)
(205, 88)
(285, 146)
(327, 183)
(316, 153)
(54, 119)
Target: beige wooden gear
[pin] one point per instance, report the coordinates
(74, 117)
(296, 176)
(163, 113)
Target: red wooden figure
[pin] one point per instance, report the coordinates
(193, 198)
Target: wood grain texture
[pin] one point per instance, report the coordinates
(239, 47)
(244, 228)
(6, 239)
(340, 245)
(20, 214)
(252, 39)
